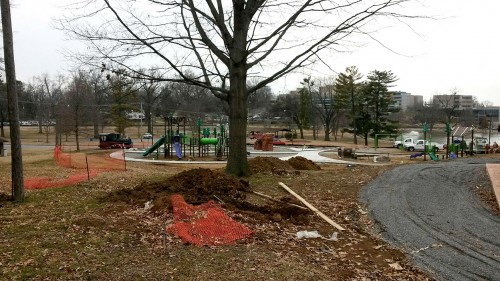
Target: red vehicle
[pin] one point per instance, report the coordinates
(112, 140)
(277, 141)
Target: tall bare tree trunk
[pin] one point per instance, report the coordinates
(77, 128)
(353, 114)
(237, 162)
(10, 71)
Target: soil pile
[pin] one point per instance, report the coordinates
(267, 165)
(301, 163)
(201, 185)
(279, 167)
(197, 186)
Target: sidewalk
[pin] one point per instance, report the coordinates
(494, 173)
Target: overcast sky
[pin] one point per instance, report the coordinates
(461, 51)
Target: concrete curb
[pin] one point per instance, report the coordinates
(494, 173)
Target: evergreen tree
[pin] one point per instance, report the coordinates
(378, 100)
(347, 87)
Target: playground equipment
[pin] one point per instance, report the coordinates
(179, 144)
(155, 146)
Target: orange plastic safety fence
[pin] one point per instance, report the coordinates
(205, 224)
(76, 176)
(79, 162)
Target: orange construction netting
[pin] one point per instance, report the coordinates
(205, 224)
(83, 167)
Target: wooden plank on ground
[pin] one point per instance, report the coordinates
(323, 216)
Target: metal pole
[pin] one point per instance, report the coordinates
(140, 130)
(124, 158)
(87, 163)
(425, 145)
(489, 132)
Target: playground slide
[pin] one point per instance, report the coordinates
(178, 150)
(155, 146)
(433, 156)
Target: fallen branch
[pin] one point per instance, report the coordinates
(323, 216)
(276, 200)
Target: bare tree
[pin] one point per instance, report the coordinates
(326, 107)
(77, 95)
(98, 87)
(15, 130)
(448, 104)
(224, 42)
(149, 93)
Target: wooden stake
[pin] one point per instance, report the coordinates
(323, 216)
(276, 200)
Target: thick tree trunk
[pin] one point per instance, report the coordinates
(353, 114)
(327, 135)
(15, 130)
(47, 132)
(237, 163)
(147, 118)
(40, 124)
(77, 132)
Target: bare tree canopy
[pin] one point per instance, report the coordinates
(223, 42)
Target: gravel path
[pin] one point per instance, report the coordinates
(431, 212)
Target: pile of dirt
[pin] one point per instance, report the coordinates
(201, 185)
(197, 186)
(276, 166)
(301, 163)
(267, 165)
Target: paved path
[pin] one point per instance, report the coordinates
(431, 211)
(494, 173)
(308, 153)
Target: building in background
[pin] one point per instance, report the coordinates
(459, 102)
(403, 100)
(488, 113)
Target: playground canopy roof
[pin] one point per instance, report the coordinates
(282, 131)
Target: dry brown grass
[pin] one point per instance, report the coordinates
(71, 233)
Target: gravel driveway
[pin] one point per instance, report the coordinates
(431, 212)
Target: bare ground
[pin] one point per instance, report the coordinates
(100, 230)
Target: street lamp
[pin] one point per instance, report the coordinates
(489, 129)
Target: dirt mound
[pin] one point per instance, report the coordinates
(267, 165)
(276, 166)
(200, 185)
(197, 186)
(301, 163)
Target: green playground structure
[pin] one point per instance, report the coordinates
(203, 142)
(433, 156)
(155, 146)
(209, 141)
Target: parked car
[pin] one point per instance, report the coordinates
(400, 144)
(420, 145)
(147, 136)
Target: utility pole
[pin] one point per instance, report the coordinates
(12, 100)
